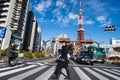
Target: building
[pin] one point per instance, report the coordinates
(13, 15)
(32, 38)
(57, 42)
(114, 42)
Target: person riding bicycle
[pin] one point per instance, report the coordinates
(11, 52)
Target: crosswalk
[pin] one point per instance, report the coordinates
(45, 72)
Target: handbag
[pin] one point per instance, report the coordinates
(60, 60)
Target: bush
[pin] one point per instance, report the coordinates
(22, 51)
(4, 52)
(28, 54)
(38, 54)
(41, 54)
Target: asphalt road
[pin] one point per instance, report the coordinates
(43, 69)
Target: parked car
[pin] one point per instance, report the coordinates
(74, 57)
(84, 59)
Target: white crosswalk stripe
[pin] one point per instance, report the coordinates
(116, 70)
(81, 74)
(7, 68)
(96, 74)
(15, 70)
(46, 75)
(112, 72)
(46, 71)
(113, 76)
(24, 75)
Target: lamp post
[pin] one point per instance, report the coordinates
(56, 42)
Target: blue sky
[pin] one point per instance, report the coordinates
(61, 16)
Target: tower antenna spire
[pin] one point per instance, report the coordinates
(80, 27)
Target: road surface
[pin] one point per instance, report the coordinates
(43, 70)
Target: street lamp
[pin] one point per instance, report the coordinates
(56, 41)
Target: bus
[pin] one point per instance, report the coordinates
(96, 53)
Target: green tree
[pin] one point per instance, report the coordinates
(70, 47)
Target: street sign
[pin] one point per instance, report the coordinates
(2, 32)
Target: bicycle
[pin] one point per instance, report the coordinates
(18, 58)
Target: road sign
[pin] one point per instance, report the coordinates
(2, 32)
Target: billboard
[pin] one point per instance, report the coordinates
(2, 32)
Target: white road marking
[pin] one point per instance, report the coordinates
(81, 74)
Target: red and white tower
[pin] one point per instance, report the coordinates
(80, 31)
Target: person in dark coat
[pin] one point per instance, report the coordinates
(11, 52)
(62, 62)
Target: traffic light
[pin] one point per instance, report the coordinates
(109, 29)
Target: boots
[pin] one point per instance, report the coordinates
(68, 73)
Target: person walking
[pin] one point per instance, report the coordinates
(11, 52)
(62, 62)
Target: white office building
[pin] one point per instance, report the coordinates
(13, 14)
(114, 42)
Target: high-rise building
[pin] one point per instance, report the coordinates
(32, 38)
(13, 15)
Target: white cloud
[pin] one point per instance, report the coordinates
(73, 2)
(56, 12)
(72, 16)
(101, 19)
(40, 7)
(43, 6)
(60, 14)
(96, 5)
(48, 4)
(59, 3)
(89, 22)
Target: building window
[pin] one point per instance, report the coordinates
(1, 22)
(2, 11)
(4, 16)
